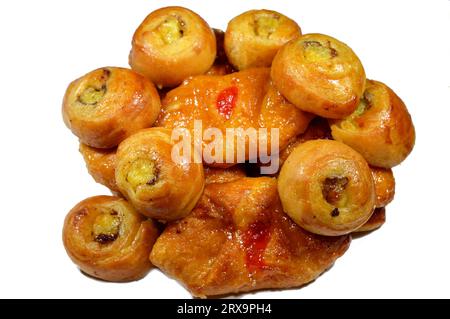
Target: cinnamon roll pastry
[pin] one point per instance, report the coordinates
(101, 164)
(319, 74)
(172, 44)
(155, 184)
(375, 221)
(232, 243)
(109, 104)
(242, 100)
(254, 37)
(384, 185)
(380, 128)
(108, 239)
(327, 188)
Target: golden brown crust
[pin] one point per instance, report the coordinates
(318, 129)
(380, 129)
(152, 181)
(232, 243)
(109, 104)
(319, 74)
(384, 185)
(327, 188)
(172, 44)
(377, 220)
(254, 37)
(101, 164)
(108, 239)
(255, 103)
(221, 175)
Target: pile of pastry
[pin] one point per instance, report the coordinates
(215, 224)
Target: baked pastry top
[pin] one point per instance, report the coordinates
(238, 239)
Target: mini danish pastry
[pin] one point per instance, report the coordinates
(107, 105)
(108, 239)
(254, 37)
(155, 184)
(101, 164)
(380, 129)
(384, 185)
(172, 44)
(319, 74)
(327, 188)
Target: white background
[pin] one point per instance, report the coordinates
(46, 44)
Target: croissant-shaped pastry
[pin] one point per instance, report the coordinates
(108, 239)
(327, 188)
(238, 239)
(155, 184)
(101, 164)
(375, 221)
(384, 185)
(241, 100)
(107, 105)
(254, 37)
(172, 44)
(380, 129)
(319, 74)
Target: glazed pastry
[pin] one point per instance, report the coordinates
(220, 175)
(245, 99)
(107, 105)
(238, 239)
(172, 44)
(327, 188)
(384, 186)
(254, 37)
(108, 239)
(377, 220)
(155, 184)
(319, 74)
(317, 129)
(380, 129)
(101, 164)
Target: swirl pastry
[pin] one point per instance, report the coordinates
(253, 38)
(319, 74)
(380, 129)
(384, 185)
(107, 105)
(232, 243)
(327, 188)
(101, 164)
(172, 44)
(242, 100)
(108, 239)
(152, 181)
(375, 221)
